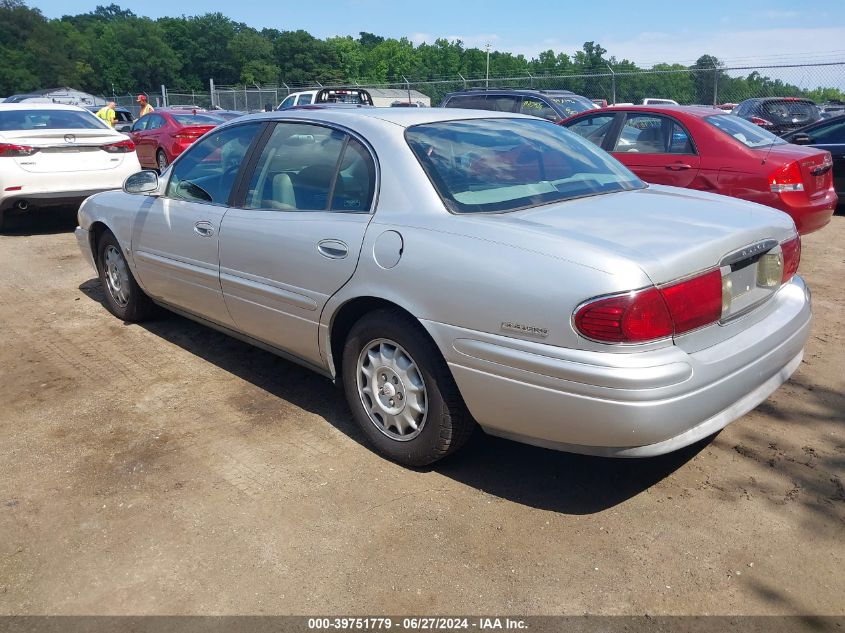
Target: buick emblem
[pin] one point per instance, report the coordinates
(70, 138)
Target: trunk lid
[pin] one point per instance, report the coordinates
(65, 150)
(816, 165)
(668, 232)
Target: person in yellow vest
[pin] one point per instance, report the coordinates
(106, 113)
(146, 108)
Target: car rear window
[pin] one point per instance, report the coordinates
(197, 119)
(497, 165)
(49, 120)
(789, 112)
(745, 132)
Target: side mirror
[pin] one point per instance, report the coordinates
(801, 139)
(141, 183)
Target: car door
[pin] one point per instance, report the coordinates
(831, 137)
(296, 238)
(175, 238)
(658, 149)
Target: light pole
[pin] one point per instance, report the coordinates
(487, 80)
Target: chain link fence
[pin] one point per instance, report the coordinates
(686, 85)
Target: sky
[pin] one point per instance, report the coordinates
(646, 32)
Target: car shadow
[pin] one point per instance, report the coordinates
(40, 222)
(532, 476)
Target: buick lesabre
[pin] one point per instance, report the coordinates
(457, 268)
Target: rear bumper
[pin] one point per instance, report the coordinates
(46, 199)
(634, 404)
(811, 215)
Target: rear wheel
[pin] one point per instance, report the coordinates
(401, 391)
(161, 160)
(124, 296)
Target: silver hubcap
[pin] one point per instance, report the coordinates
(162, 162)
(117, 276)
(392, 390)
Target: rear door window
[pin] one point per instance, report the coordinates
(470, 102)
(305, 99)
(642, 134)
(501, 103)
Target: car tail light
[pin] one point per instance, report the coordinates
(121, 147)
(13, 151)
(787, 178)
(760, 121)
(653, 313)
(791, 257)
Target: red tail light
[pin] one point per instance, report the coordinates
(791, 257)
(787, 178)
(192, 133)
(759, 121)
(121, 147)
(653, 313)
(13, 151)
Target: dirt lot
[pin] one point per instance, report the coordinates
(166, 468)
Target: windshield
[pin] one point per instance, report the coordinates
(196, 119)
(744, 131)
(789, 112)
(495, 165)
(49, 120)
(573, 104)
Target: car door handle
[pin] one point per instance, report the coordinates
(678, 166)
(333, 249)
(204, 228)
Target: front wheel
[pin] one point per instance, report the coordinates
(124, 296)
(401, 392)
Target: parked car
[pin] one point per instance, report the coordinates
(123, 118)
(327, 95)
(828, 135)
(832, 109)
(707, 149)
(336, 240)
(778, 115)
(164, 134)
(57, 155)
(553, 105)
(727, 107)
(654, 101)
(406, 104)
(602, 103)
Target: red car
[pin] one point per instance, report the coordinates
(709, 150)
(164, 134)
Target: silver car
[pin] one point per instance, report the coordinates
(454, 268)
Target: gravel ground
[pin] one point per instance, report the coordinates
(169, 469)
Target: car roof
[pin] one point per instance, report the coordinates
(403, 117)
(696, 111)
(531, 91)
(40, 106)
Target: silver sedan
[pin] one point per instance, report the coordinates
(456, 268)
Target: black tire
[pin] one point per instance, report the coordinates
(137, 306)
(447, 424)
(161, 160)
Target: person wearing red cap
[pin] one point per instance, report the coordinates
(146, 108)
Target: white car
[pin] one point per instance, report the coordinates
(306, 97)
(53, 155)
(653, 101)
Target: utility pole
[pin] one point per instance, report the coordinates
(487, 80)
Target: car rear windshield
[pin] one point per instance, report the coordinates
(197, 119)
(744, 131)
(49, 120)
(789, 112)
(496, 165)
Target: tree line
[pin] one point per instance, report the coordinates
(112, 50)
